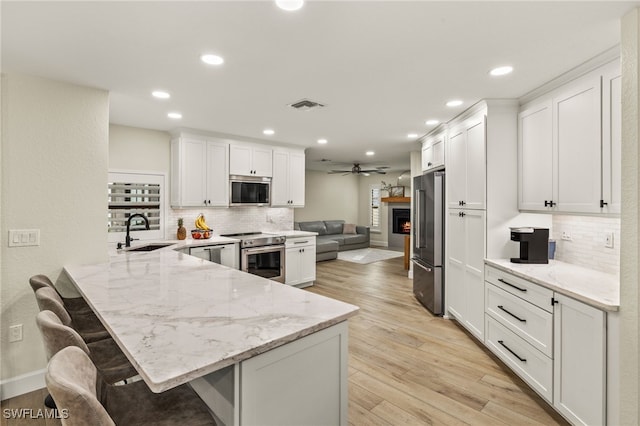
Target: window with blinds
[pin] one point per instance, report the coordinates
(374, 210)
(131, 193)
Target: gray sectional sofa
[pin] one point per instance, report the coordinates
(331, 239)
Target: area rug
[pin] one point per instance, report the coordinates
(368, 255)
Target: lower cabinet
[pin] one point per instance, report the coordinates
(300, 261)
(556, 344)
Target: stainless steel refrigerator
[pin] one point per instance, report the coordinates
(428, 240)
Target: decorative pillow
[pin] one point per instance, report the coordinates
(349, 228)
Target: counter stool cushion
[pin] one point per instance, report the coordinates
(75, 384)
(72, 304)
(105, 354)
(89, 327)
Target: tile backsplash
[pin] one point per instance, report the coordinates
(587, 245)
(232, 220)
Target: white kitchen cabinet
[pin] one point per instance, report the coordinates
(287, 186)
(433, 151)
(611, 138)
(250, 160)
(579, 361)
(569, 146)
(199, 172)
(466, 238)
(300, 261)
(467, 164)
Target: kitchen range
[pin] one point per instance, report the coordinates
(262, 254)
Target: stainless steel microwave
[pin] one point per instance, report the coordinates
(249, 191)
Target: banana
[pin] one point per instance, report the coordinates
(201, 224)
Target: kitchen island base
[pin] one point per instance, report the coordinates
(303, 382)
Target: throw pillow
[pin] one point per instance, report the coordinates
(349, 228)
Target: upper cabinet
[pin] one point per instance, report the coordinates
(287, 186)
(199, 172)
(466, 163)
(433, 151)
(569, 147)
(250, 160)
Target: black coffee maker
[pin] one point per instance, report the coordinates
(534, 244)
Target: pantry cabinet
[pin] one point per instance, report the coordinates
(199, 172)
(250, 160)
(569, 145)
(287, 187)
(465, 268)
(466, 171)
(300, 261)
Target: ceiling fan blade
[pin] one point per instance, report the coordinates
(339, 171)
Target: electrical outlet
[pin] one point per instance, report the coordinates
(566, 235)
(608, 240)
(15, 333)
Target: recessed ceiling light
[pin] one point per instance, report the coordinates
(289, 5)
(160, 94)
(432, 122)
(174, 115)
(212, 59)
(454, 103)
(322, 141)
(412, 135)
(268, 132)
(370, 153)
(496, 72)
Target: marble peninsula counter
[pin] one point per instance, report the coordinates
(178, 318)
(595, 288)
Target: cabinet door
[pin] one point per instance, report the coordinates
(579, 361)
(281, 180)
(535, 157)
(292, 265)
(262, 161)
(454, 283)
(297, 179)
(577, 127)
(437, 153)
(230, 256)
(456, 168)
(217, 174)
(240, 160)
(476, 164)
(474, 245)
(427, 156)
(611, 138)
(193, 173)
(308, 264)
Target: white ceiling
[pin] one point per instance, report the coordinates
(382, 68)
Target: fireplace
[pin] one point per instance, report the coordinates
(401, 221)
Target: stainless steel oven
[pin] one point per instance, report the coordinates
(262, 254)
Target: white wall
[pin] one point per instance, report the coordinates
(135, 149)
(54, 170)
(365, 182)
(330, 197)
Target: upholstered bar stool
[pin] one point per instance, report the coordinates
(105, 354)
(77, 387)
(74, 305)
(89, 327)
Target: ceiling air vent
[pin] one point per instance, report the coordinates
(306, 105)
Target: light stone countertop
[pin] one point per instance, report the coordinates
(294, 233)
(595, 288)
(178, 317)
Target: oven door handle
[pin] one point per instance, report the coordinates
(263, 249)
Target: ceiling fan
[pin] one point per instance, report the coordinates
(357, 169)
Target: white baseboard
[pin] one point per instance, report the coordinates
(379, 243)
(20, 385)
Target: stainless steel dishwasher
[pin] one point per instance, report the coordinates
(223, 254)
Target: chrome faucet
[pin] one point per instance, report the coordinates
(128, 239)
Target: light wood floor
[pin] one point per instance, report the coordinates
(411, 368)
(406, 367)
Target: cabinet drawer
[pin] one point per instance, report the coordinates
(527, 362)
(300, 242)
(528, 321)
(532, 293)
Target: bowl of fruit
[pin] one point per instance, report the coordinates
(202, 231)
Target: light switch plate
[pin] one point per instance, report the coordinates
(24, 237)
(608, 240)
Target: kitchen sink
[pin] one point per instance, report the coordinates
(150, 247)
